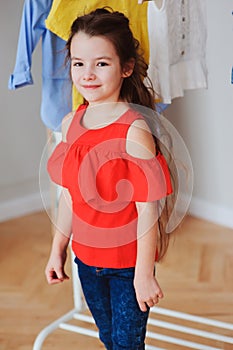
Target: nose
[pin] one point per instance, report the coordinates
(89, 73)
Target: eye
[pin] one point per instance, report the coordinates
(102, 64)
(77, 64)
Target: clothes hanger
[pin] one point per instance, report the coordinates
(158, 3)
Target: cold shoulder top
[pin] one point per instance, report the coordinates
(105, 182)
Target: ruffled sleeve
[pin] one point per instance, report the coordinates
(134, 179)
(106, 178)
(55, 164)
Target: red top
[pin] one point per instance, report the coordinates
(105, 182)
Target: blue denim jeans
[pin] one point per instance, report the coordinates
(111, 298)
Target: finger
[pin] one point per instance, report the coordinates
(61, 275)
(54, 281)
(142, 306)
(160, 294)
(150, 303)
(52, 278)
(155, 301)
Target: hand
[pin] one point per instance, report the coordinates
(148, 291)
(54, 270)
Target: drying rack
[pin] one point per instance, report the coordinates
(78, 313)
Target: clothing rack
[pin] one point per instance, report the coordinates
(78, 313)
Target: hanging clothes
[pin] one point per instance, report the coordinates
(173, 38)
(64, 12)
(177, 36)
(56, 85)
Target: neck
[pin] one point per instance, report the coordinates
(100, 115)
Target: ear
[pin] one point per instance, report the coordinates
(128, 68)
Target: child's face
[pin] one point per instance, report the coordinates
(95, 68)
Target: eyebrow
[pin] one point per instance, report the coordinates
(96, 58)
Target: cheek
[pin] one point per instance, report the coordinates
(71, 73)
(74, 75)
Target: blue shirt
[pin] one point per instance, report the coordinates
(56, 83)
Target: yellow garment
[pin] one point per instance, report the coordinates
(64, 12)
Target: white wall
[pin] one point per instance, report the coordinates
(204, 118)
(23, 135)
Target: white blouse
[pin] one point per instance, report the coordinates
(177, 36)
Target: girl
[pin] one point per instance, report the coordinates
(113, 175)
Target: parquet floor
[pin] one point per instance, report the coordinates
(196, 277)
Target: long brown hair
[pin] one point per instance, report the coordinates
(115, 27)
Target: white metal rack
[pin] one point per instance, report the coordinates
(78, 314)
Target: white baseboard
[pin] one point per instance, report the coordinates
(211, 212)
(25, 205)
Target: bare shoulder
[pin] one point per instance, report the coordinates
(66, 121)
(140, 142)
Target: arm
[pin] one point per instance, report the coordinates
(146, 286)
(55, 267)
(141, 144)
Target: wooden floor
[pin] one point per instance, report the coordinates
(196, 277)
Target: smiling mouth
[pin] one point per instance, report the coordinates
(91, 86)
